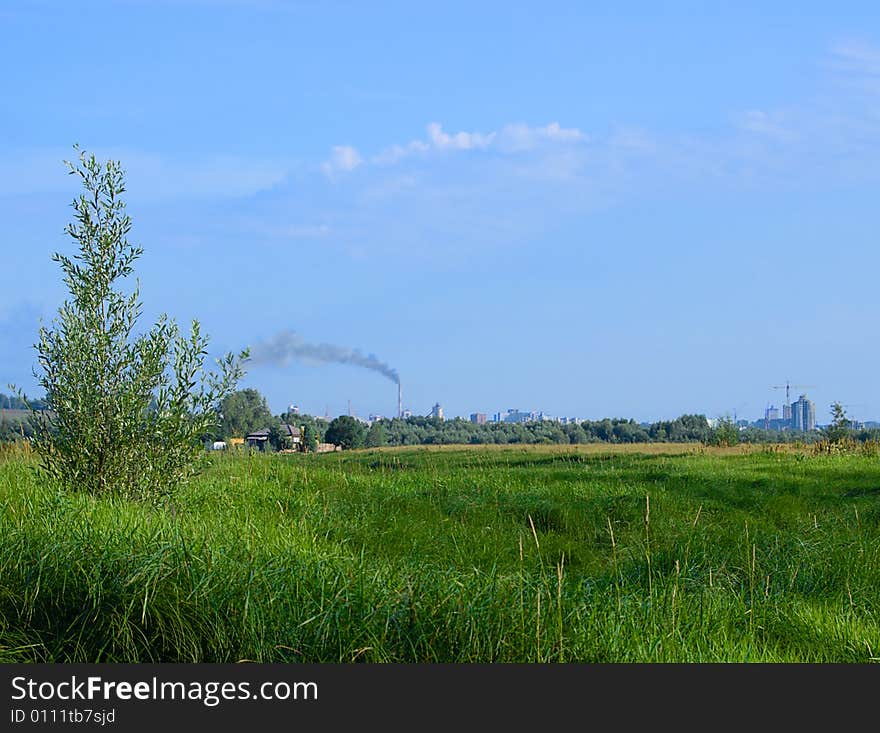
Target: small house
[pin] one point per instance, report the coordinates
(258, 439)
(291, 438)
(291, 435)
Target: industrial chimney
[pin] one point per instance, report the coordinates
(399, 401)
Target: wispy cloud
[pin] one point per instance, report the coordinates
(857, 58)
(450, 190)
(519, 137)
(343, 159)
(441, 140)
(768, 124)
(834, 132)
(512, 138)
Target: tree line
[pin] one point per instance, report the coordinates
(246, 411)
(11, 402)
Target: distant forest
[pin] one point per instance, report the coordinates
(683, 429)
(8, 402)
(15, 417)
(458, 431)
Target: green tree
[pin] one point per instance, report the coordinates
(376, 437)
(279, 437)
(725, 433)
(346, 431)
(309, 437)
(244, 412)
(126, 413)
(841, 426)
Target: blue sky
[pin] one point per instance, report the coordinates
(634, 209)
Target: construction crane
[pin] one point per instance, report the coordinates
(787, 387)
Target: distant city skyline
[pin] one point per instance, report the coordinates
(800, 415)
(566, 209)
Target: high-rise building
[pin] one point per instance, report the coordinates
(771, 418)
(786, 414)
(810, 415)
(437, 411)
(478, 417)
(515, 416)
(803, 414)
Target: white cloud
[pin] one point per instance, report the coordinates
(451, 191)
(398, 152)
(459, 140)
(343, 160)
(512, 138)
(519, 137)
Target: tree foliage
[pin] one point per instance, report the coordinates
(376, 437)
(346, 431)
(279, 437)
(126, 411)
(429, 430)
(243, 412)
(725, 433)
(420, 430)
(309, 437)
(840, 428)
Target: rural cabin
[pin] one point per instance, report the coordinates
(259, 439)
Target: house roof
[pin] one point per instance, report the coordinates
(291, 430)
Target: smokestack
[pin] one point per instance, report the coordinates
(399, 401)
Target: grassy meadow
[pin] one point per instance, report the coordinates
(651, 553)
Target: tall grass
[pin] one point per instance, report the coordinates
(467, 555)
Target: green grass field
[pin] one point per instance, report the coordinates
(520, 554)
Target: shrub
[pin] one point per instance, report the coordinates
(126, 413)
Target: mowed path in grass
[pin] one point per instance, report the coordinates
(474, 554)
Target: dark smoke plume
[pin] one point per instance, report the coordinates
(287, 345)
